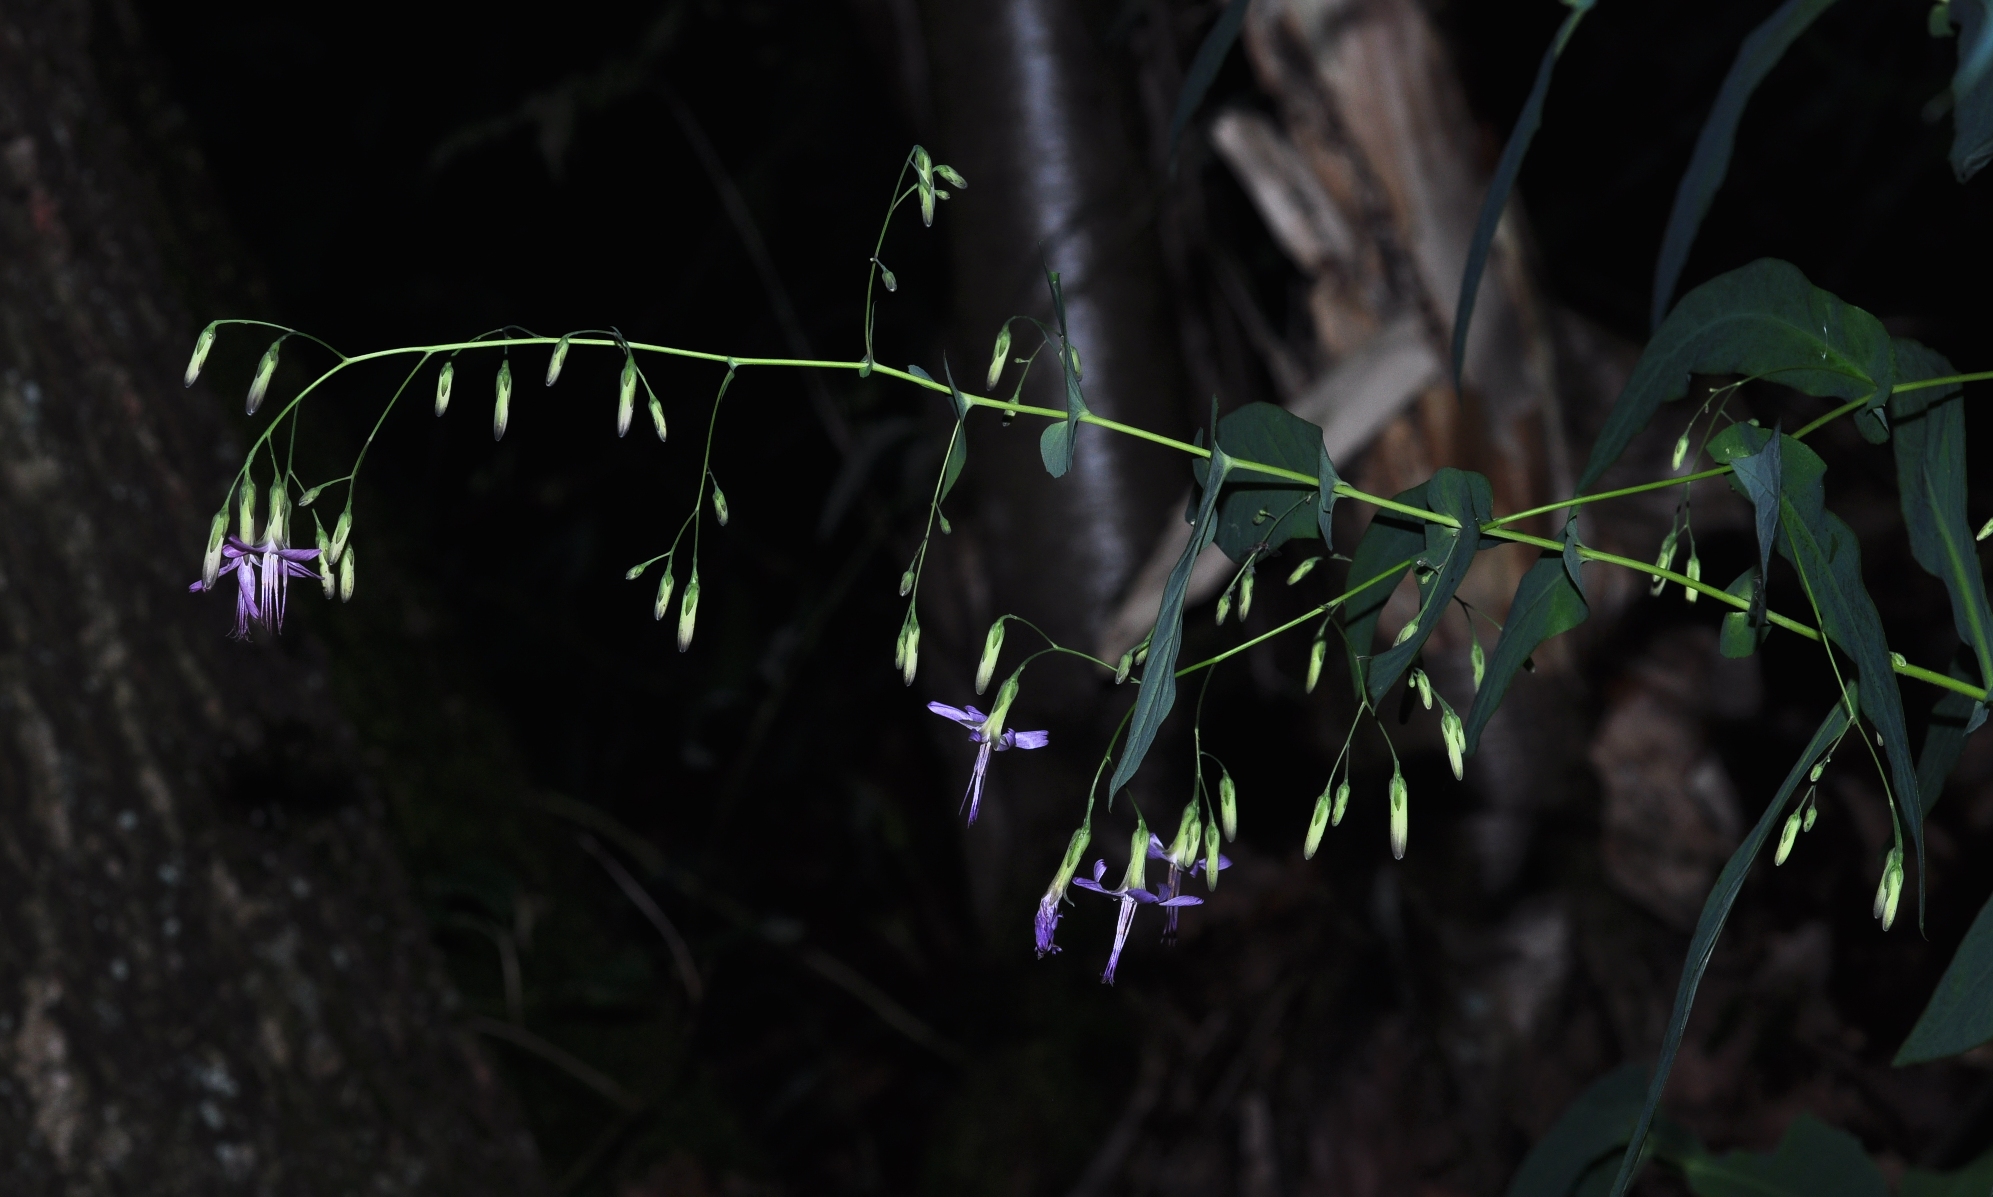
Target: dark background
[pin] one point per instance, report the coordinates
(406, 174)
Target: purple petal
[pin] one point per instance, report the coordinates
(1156, 849)
(1032, 739)
(1047, 923)
(1099, 869)
(298, 554)
(1183, 900)
(1140, 895)
(1095, 886)
(956, 713)
(1121, 926)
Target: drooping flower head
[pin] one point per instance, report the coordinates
(1183, 860)
(990, 735)
(1048, 906)
(1130, 893)
(263, 574)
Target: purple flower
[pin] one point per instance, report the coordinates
(263, 576)
(984, 732)
(1130, 896)
(1173, 880)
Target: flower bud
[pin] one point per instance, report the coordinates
(340, 532)
(688, 610)
(906, 582)
(1228, 804)
(886, 277)
(1073, 352)
(277, 529)
(211, 561)
(923, 169)
(1224, 606)
(346, 575)
(900, 648)
(1317, 652)
(202, 344)
(444, 379)
(1123, 666)
(1303, 570)
(1478, 657)
(1138, 856)
(502, 410)
(327, 578)
(1681, 449)
(947, 529)
(558, 360)
(245, 512)
(1423, 685)
(664, 587)
(1317, 824)
(1665, 559)
(1891, 889)
(1211, 855)
(996, 358)
(657, 416)
(259, 385)
(992, 646)
(1401, 812)
(1455, 736)
(1985, 530)
(865, 365)
(1694, 572)
(1246, 594)
(1787, 836)
(1189, 831)
(1070, 864)
(719, 505)
(912, 663)
(953, 179)
(1812, 812)
(1405, 633)
(626, 396)
(1342, 803)
(311, 496)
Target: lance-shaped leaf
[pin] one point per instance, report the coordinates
(1960, 1014)
(1325, 498)
(1828, 558)
(1972, 88)
(1546, 604)
(1262, 511)
(1813, 1160)
(1715, 911)
(1448, 553)
(1761, 475)
(1504, 182)
(1711, 159)
(1763, 320)
(1954, 717)
(958, 440)
(1930, 480)
(1158, 692)
(1389, 546)
(1204, 67)
(1597, 1123)
(1055, 444)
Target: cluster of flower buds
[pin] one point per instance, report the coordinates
(906, 652)
(925, 170)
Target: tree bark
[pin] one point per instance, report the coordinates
(211, 977)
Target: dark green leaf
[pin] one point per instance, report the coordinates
(1813, 1160)
(1740, 638)
(1711, 160)
(1504, 182)
(1972, 88)
(1954, 718)
(1546, 604)
(1158, 692)
(1973, 1180)
(1761, 476)
(1259, 510)
(1715, 911)
(1828, 558)
(1960, 1014)
(1389, 546)
(1055, 448)
(1598, 1121)
(1763, 320)
(1448, 552)
(1930, 480)
(1325, 499)
(1204, 67)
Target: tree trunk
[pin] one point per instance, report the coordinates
(211, 976)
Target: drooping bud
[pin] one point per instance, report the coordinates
(1073, 351)
(657, 416)
(340, 532)
(1401, 812)
(992, 646)
(688, 610)
(277, 529)
(1000, 709)
(664, 588)
(211, 560)
(1211, 854)
(501, 411)
(1812, 812)
(1478, 658)
(346, 575)
(1224, 606)
(1455, 736)
(1124, 666)
(1303, 570)
(245, 512)
(923, 169)
(1405, 633)
(1228, 804)
(951, 176)
(906, 582)
(326, 577)
(626, 396)
(1681, 449)
(1423, 685)
(1048, 906)
(1665, 559)
(1317, 652)
(1342, 803)
(912, 663)
(1787, 836)
(445, 378)
(1694, 572)
(886, 277)
(1318, 822)
(1891, 889)
(1138, 856)
(1189, 831)
(996, 358)
(555, 362)
(719, 505)
(1985, 530)
(202, 344)
(259, 383)
(900, 648)
(1246, 594)
(311, 496)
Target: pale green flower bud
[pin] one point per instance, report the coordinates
(1224, 606)
(1788, 836)
(1401, 813)
(1423, 685)
(1405, 633)
(1138, 856)
(1189, 831)
(1342, 804)
(202, 344)
(626, 396)
(1694, 572)
(657, 416)
(1074, 352)
(311, 496)
(1228, 804)
(688, 610)
(906, 582)
(1812, 812)
(1317, 652)
(1303, 570)
(445, 378)
(719, 505)
(923, 169)
(502, 410)
(1455, 735)
(340, 532)
(1985, 530)
(555, 362)
(1075, 852)
(996, 358)
(900, 648)
(1665, 559)
(277, 528)
(1317, 824)
(211, 561)
(1211, 853)
(1246, 595)
(327, 578)
(886, 277)
(1891, 889)
(951, 177)
(245, 512)
(1124, 666)
(1681, 449)
(1000, 710)
(912, 662)
(992, 646)
(346, 568)
(664, 588)
(259, 384)
(1478, 658)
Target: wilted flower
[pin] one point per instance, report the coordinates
(986, 732)
(263, 574)
(1047, 922)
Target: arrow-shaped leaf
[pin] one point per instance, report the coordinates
(1546, 604)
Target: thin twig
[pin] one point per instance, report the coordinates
(681, 955)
